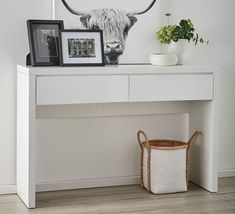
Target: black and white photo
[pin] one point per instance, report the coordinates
(47, 43)
(81, 47)
(44, 41)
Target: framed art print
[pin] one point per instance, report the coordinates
(129, 27)
(44, 41)
(81, 48)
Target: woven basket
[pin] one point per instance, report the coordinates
(164, 164)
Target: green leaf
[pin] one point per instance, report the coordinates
(190, 35)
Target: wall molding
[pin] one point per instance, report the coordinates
(8, 189)
(227, 172)
(86, 183)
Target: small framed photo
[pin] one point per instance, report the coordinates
(81, 48)
(44, 42)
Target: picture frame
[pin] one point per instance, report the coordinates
(81, 48)
(44, 42)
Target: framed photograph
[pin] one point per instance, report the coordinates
(81, 48)
(44, 42)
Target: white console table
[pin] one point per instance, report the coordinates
(195, 85)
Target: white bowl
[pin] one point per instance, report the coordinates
(163, 59)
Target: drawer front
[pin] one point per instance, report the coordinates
(81, 89)
(171, 87)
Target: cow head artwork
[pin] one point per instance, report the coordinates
(115, 25)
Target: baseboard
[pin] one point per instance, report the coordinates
(9, 189)
(86, 183)
(90, 183)
(226, 172)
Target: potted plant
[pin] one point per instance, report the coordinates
(177, 36)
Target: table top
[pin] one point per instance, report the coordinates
(118, 70)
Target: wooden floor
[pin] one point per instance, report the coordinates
(128, 199)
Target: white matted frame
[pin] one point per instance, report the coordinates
(81, 48)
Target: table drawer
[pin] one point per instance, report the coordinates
(171, 87)
(81, 89)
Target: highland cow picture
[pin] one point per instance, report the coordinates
(123, 24)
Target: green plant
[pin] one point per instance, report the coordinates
(185, 30)
(164, 35)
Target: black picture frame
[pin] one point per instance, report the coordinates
(81, 48)
(44, 41)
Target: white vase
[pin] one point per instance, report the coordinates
(179, 49)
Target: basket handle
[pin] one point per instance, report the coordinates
(140, 132)
(193, 139)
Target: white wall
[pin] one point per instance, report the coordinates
(214, 19)
(99, 150)
(13, 47)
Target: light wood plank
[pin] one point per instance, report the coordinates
(128, 199)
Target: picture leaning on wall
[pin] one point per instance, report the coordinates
(126, 25)
(44, 41)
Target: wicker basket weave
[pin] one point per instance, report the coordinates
(164, 164)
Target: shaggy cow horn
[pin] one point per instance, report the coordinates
(144, 11)
(79, 13)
